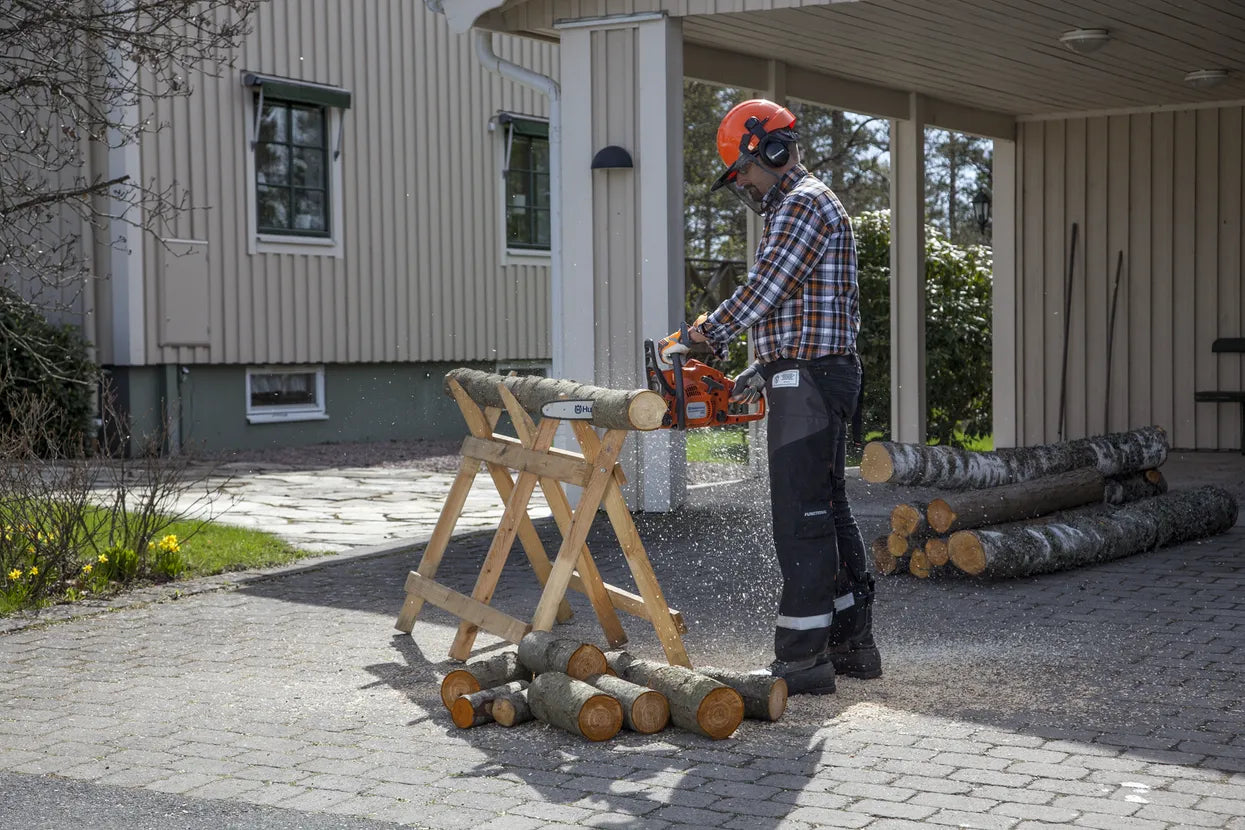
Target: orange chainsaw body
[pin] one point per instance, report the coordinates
(703, 395)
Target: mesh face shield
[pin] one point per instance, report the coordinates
(750, 197)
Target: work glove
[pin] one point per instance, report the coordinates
(749, 386)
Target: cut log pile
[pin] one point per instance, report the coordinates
(1030, 510)
(580, 689)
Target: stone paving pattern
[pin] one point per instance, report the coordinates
(1104, 697)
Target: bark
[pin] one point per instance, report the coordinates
(1013, 502)
(541, 651)
(640, 409)
(909, 519)
(765, 696)
(644, 710)
(485, 673)
(1133, 486)
(698, 703)
(477, 707)
(562, 701)
(953, 468)
(512, 709)
(1092, 536)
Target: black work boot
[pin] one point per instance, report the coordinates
(804, 677)
(851, 648)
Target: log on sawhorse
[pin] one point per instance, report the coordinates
(537, 462)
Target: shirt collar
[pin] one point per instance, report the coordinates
(782, 187)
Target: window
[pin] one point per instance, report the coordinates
(526, 170)
(291, 169)
(285, 393)
(294, 198)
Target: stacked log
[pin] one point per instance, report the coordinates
(698, 703)
(576, 687)
(1029, 510)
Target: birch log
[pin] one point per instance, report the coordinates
(484, 673)
(541, 651)
(1094, 536)
(512, 709)
(698, 703)
(1013, 502)
(644, 710)
(640, 409)
(561, 700)
(477, 707)
(765, 696)
(954, 468)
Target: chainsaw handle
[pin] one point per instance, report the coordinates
(680, 395)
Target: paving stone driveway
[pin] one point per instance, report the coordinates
(1103, 697)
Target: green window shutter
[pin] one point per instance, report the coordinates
(526, 126)
(300, 92)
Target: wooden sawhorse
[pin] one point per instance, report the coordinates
(536, 460)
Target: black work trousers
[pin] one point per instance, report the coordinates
(810, 405)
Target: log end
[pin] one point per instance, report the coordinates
(940, 515)
(600, 718)
(883, 559)
(503, 712)
(967, 552)
(778, 699)
(918, 564)
(462, 713)
(586, 661)
(720, 712)
(646, 410)
(897, 544)
(905, 519)
(937, 552)
(650, 713)
(456, 684)
(1153, 476)
(876, 465)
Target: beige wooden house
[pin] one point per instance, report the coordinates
(1124, 117)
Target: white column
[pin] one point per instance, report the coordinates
(662, 460)
(125, 231)
(908, 274)
(1005, 392)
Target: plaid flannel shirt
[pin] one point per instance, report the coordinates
(801, 297)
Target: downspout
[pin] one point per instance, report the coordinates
(544, 84)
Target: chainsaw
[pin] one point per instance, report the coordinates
(696, 394)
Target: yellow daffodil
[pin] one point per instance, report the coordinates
(103, 558)
(170, 544)
(87, 568)
(15, 574)
(34, 571)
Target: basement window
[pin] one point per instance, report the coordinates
(284, 393)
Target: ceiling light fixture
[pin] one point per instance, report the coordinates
(1206, 78)
(1085, 41)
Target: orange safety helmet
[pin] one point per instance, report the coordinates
(748, 132)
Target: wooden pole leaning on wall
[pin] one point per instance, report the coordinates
(482, 397)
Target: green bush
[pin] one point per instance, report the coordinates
(45, 365)
(957, 332)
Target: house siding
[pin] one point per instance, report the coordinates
(1166, 188)
(422, 277)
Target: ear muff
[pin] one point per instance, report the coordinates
(770, 149)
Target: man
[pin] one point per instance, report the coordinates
(801, 300)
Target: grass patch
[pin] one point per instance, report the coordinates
(217, 548)
(719, 444)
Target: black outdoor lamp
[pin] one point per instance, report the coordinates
(981, 209)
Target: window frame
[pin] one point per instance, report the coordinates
(334, 101)
(530, 127)
(288, 187)
(292, 412)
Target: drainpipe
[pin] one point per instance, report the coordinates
(548, 86)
